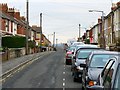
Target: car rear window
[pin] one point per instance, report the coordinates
(83, 54)
(99, 60)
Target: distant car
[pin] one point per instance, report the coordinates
(77, 43)
(93, 67)
(110, 77)
(69, 55)
(81, 57)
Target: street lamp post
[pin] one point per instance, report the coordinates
(102, 39)
(79, 33)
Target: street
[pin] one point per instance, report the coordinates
(49, 71)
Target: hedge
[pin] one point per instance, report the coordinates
(13, 41)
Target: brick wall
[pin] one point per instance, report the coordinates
(20, 30)
(3, 24)
(17, 15)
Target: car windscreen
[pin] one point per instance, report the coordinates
(117, 79)
(99, 60)
(71, 49)
(83, 54)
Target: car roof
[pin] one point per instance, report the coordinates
(117, 58)
(105, 52)
(85, 45)
(77, 43)
(95, 48)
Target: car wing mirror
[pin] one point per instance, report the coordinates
(72, 52)
(74, 57)
(83, 65)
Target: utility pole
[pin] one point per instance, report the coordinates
(40, 32)
(27, 26)
(53, 39)
(56, 42)
(79, 33)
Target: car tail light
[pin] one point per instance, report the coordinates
(69, 52)
(91, 83)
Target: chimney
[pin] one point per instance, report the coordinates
(99, 20)
(118, 4)
(4, 8)
(114, 6)
(17, 15)
(11, 12)
(22, 18)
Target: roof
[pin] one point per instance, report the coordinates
(37, 29)
(3, 15)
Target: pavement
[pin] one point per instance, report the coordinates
(8, 65)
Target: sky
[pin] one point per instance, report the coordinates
(62, 16)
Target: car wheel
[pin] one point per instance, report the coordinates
(80, 80)
(66, 62)
(83, 88)
(75, 79)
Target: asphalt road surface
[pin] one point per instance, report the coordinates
(47, 72)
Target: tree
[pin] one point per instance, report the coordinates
(87, 41)
(31, 44)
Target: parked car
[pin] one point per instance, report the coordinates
(79, 47)
(93, 67)
(110, 77)
(69, 55)
(77, 43)
(80, 58)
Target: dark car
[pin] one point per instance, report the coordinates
(110, 77)
(94, 66)
(81, 56)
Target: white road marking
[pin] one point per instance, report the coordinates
(39, 83)
(53, 79)
(63, 72)
(63, 79)
(63, 84)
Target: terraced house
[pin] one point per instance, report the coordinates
(13, 24)
(110, 27)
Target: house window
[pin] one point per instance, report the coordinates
(7, 26)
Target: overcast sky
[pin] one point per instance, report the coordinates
(62, 16)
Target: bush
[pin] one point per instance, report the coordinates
(13, 42)
(87, 41)
(31, 44)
